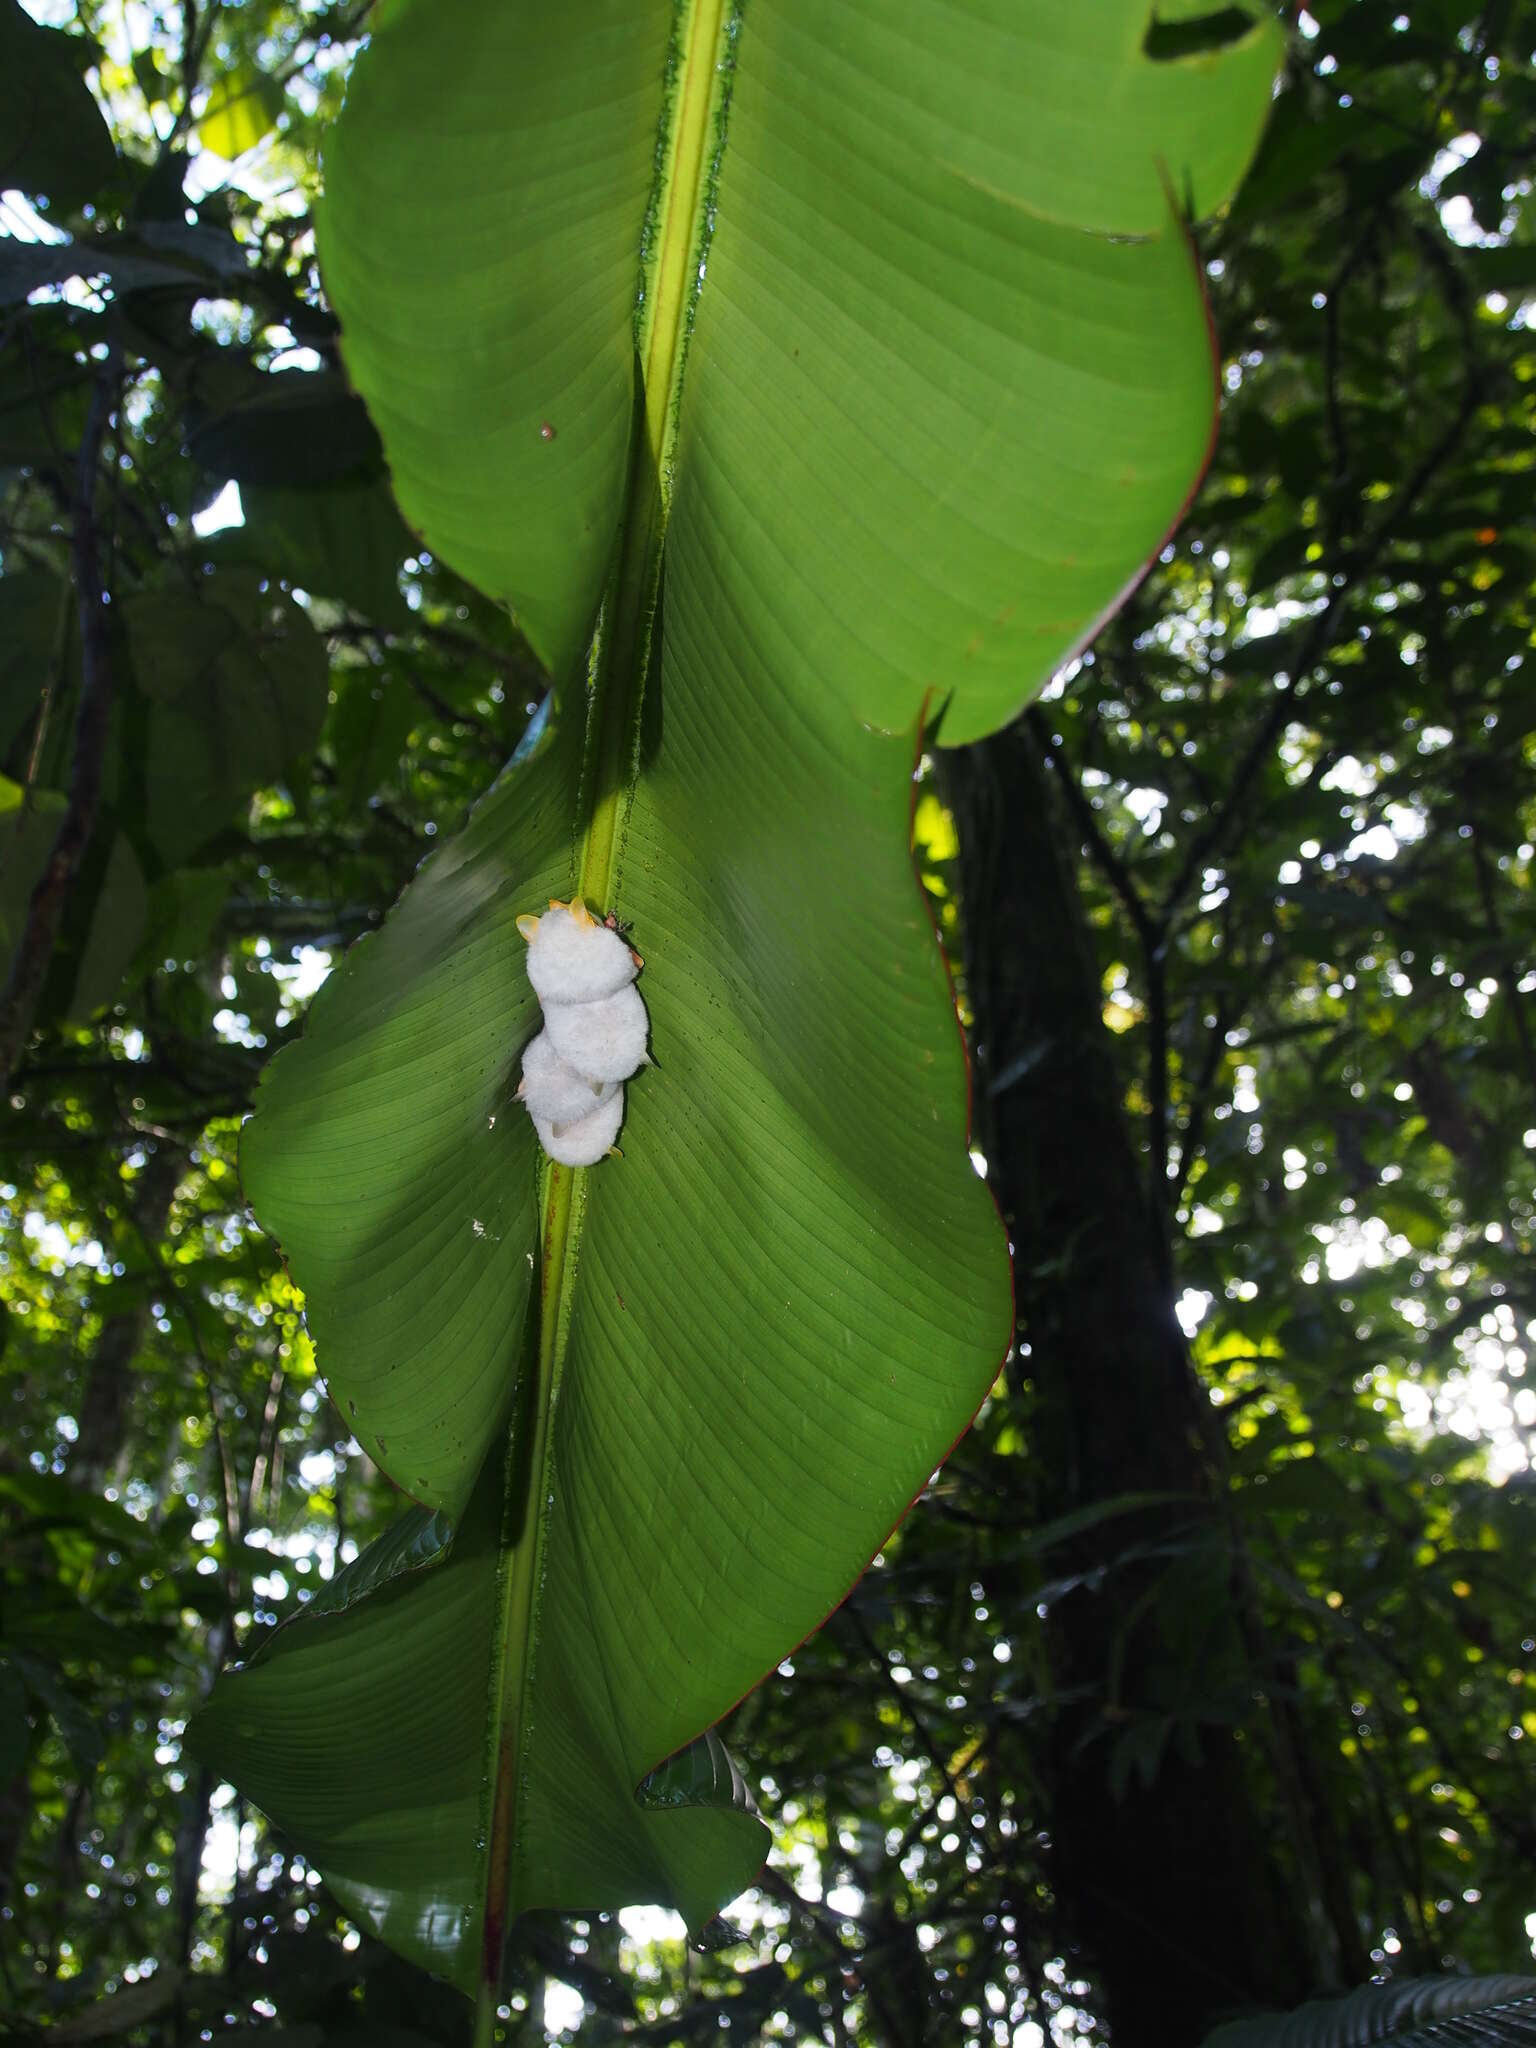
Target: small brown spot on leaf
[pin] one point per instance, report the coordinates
(546, 432)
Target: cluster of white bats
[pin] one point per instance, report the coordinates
(583, 973)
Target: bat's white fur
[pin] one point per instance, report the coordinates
(556, 1092)
(594, 1034)
(584, 1143)
(604, 1040)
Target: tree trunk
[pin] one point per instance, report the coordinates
(1165, 1871)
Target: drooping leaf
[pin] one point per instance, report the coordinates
(26, 267)
(54, 141)
(291, 428)
(158, 253)
(1418, 2012)
(947, 384)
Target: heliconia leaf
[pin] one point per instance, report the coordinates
(364, 1720)
(513, 228)
(947, 383)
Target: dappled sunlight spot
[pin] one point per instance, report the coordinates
(1480, 1399)
(229, 1849)
(224, 512)
(1378, 842)
(1354, 1244)
(303, 976)
(564, 2008)
(234, 1027)
(1191, 1308)
(647, 1925)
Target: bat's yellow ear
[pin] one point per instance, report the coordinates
(528, 926)
(580, 913)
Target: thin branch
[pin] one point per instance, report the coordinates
(515, 668)
(45, 912)
(1085, 818)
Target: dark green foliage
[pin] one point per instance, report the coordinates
(56, 144)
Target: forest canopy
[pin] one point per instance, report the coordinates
(1193, 1684)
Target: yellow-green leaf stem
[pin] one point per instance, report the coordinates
(670, 285)
(623, 654)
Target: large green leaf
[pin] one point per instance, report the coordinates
(951, 379)
(947, 384)
(1418, 2012)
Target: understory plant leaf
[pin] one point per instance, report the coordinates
(231, 689)
(947, 383)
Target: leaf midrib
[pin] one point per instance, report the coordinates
(623, 654)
